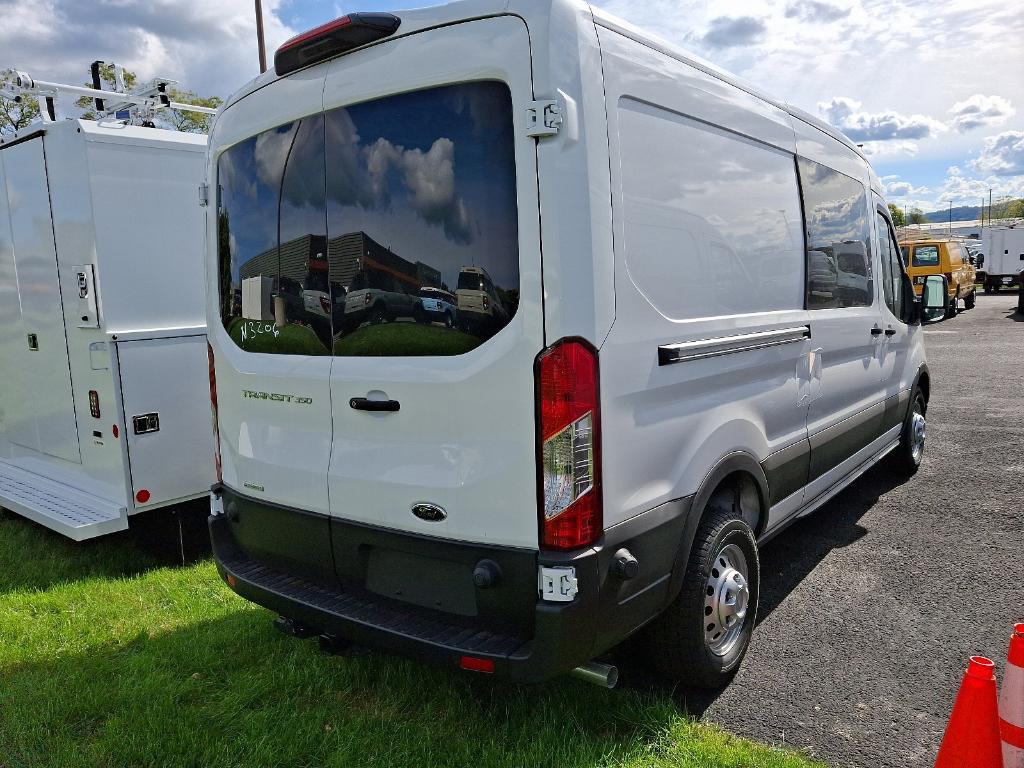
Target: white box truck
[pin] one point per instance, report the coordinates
(1003, 251)
(104, 393)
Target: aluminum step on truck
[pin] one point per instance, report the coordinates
(104, 389)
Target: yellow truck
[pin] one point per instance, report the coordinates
(946, 257)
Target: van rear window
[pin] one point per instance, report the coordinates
(926, 256)
(331, 227)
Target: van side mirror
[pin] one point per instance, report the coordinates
(934, 298)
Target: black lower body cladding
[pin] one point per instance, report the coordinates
(416, 596)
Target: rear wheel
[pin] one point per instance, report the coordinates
(703, 635)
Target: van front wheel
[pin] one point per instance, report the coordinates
(702, 636)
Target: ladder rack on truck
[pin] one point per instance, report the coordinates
(104, 395)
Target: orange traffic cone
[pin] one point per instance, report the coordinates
(1011, 702)
(972, 736)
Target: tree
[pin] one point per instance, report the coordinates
(15, 115)
(916, 216)
(179, 120)
(1012, 209)
(897, 216)
(192, 122)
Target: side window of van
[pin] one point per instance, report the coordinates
(892, 267)
(275, 291)
(711, 220)
(838, 238)
(839, 256)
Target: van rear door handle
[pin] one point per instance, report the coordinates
(365, 404)
(890, 331)
(876, 331)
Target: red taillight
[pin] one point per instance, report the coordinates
(213, 410)
(325, 304)
(569, 445)
(333, 38)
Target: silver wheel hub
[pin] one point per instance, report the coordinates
(918, 433)
(726, 597)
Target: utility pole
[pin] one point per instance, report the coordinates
(990, 207)
(950, 218)
(259, 36)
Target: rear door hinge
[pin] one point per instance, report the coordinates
(543, 118)
(204, 194)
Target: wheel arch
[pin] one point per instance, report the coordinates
(923, 381)
(743, 471)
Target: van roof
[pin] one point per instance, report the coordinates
(418, 19)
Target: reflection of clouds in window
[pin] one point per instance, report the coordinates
(360, 175)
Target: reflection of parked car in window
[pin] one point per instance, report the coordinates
(941, 257)
(437, 304)
(479, 303)
(376, 295)
(853, 278)
(822, 274)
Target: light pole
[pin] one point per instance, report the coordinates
(259, 37)
(950, 218)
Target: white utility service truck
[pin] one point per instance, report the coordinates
(104, 401)
(1003, 249)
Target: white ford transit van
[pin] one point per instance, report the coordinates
(662, 387)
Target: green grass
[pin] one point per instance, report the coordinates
(109, 659)
(405, 339)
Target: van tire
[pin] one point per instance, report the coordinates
(951, 308)
(676, 639)
(969, 299)
(904, 459)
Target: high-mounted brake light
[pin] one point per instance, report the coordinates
(569, 445)
(213, 411)
(333, 39)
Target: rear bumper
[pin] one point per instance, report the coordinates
(527, 639)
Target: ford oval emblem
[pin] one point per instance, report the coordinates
(429, 512)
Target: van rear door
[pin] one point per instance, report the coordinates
(431, 176)
(272, 348)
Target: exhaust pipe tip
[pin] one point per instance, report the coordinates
(605, 675)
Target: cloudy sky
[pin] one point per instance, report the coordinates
(934, 90)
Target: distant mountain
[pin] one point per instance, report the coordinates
(960, 213)
(974, 212)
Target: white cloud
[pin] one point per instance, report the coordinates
(979, 110)
(209, 47)
(725, 32)
(895, 187)
(1003, 155)
(814, 11)
(888, 148)
(846, 114)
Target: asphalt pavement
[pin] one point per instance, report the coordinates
(871, 607)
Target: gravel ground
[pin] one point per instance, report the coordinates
(870, 608)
